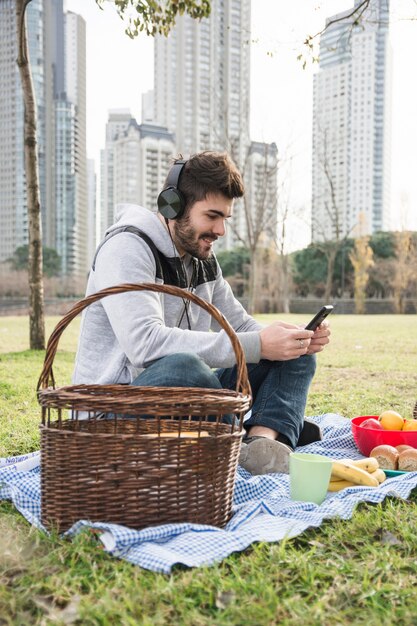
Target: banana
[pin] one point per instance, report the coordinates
(337, 485)
(369, 464)
(344, 470)
(379, 474)
(345, 474)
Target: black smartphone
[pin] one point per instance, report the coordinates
(319, 317)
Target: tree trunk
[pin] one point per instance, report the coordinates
(285, 288)
(331, 260)
(36, 297)
(252, 282)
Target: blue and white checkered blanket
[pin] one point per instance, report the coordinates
(263, 510)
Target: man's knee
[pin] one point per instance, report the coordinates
(195, 371)
(184, 369)
(186, 360)
(309, 361)
(304, 365)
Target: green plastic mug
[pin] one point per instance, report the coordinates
(309, 476)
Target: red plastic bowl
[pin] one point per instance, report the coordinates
(367, 438)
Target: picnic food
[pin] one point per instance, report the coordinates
(402, 447)
(407, 461)
(347, 470)
(409, 425)
(379, 474)
(368, 464)
(372, 423)
(368, 438)
(387, 456)
(337, 485)
(351, 473)
(391, 420)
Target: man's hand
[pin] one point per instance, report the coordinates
(282, 342)
(320, 338)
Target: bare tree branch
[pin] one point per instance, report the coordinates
(357, 11)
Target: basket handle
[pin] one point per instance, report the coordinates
(46, 378)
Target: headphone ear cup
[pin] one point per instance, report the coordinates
(171, 203)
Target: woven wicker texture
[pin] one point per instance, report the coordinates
(139, 456)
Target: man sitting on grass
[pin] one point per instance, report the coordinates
(152, 339)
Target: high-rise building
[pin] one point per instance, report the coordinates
(91, 210)
(75, 84)
(261, 190)
(57, 58)
(148, 107)
(142, 158)
(202, 93)
(135, 163)
(202, 80)
(352, 126)
(13, 212)
(119, 120)
(64, 215)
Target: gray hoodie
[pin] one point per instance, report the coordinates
(122, 334)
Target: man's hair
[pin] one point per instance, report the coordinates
(209, 173)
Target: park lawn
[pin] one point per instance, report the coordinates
(360, 571)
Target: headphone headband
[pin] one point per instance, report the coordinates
(175, 173)
(171, 202)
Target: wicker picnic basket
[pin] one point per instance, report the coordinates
(139, 456)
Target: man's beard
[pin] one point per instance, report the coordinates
(185, 237)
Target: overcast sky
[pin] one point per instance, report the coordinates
(119, 70)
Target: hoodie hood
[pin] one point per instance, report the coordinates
(147, 221)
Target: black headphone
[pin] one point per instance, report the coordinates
(171, 202)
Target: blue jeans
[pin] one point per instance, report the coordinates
(279, 388)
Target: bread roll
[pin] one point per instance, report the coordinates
(387, 456)
(402, 447)
(407, 461)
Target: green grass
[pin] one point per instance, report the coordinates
(360, 571)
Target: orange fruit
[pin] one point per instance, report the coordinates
(391, 420)
(410, 425)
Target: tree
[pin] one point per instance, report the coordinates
(393, 264)
(51, 260)
(404, 269)
(233, 262)
(330, 240)
(283, 264)
(353, 18)
(259, 208)
(383, 244)
(258, 166)
(260, 215)
(150, 16)
(266, 298)
(380, 277)
(36, 296)
(310, 270)
(235, 268)
(285, 211)
(362, 259)
(154, 17)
